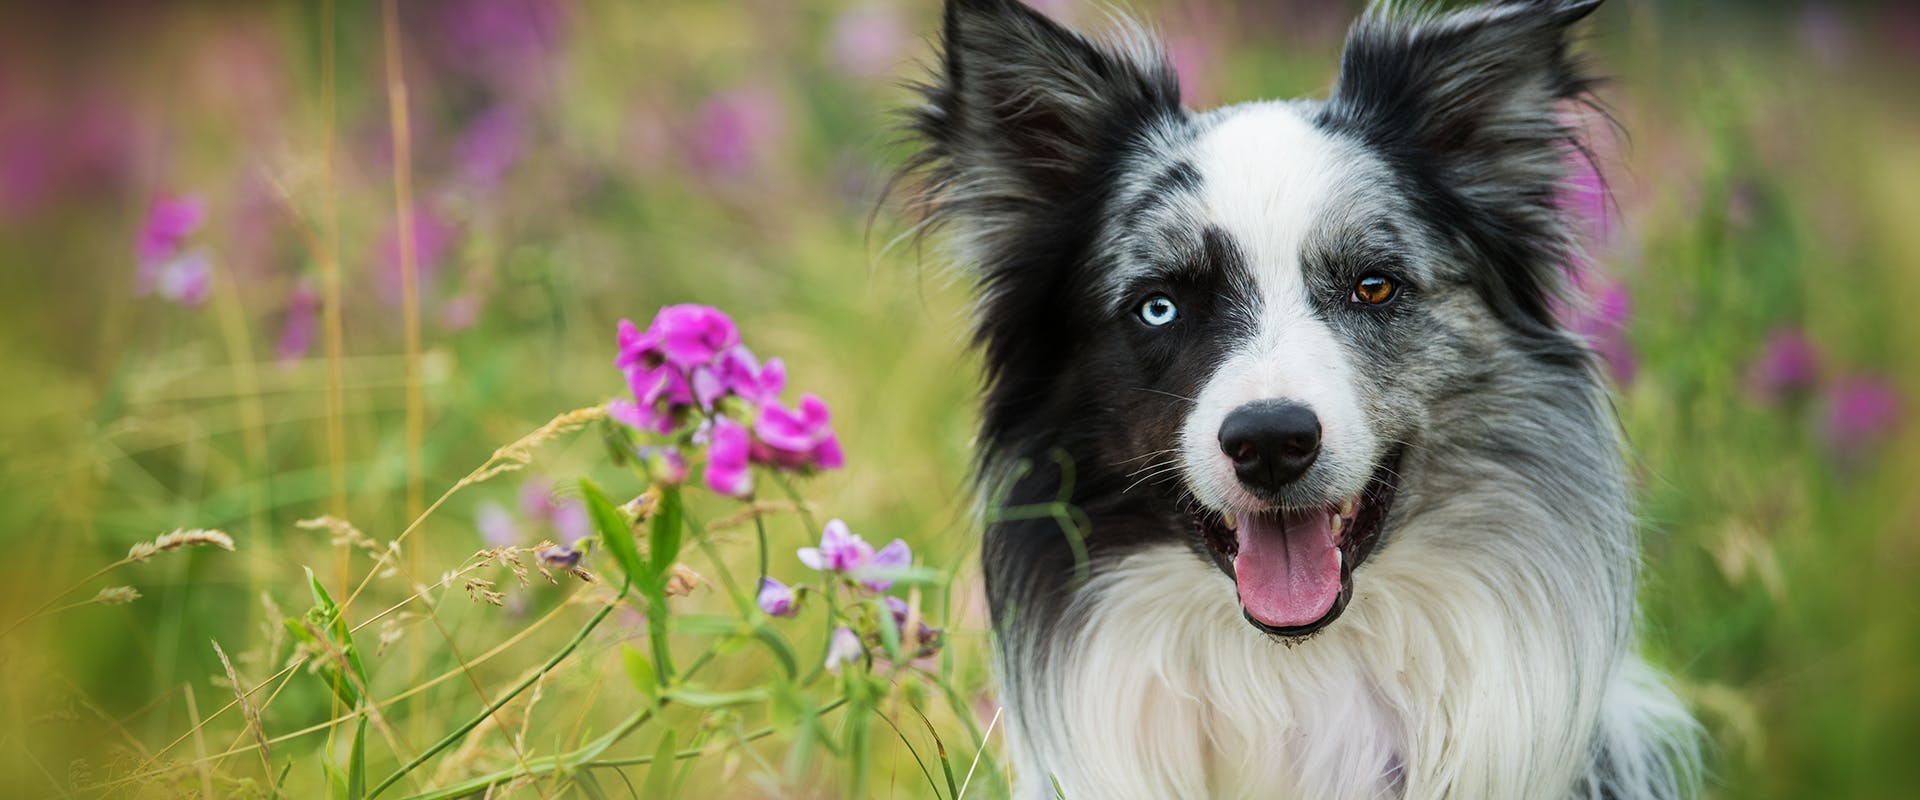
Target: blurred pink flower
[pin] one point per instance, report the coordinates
(497, 526)
(1788, 364)
(775, 598)
(1604, 327)
(186, 279)
(433, 237)
(509, 45)
(868, 40)
(567, 516)
(1583, 199)
(728, 472)
(170, 220)
(798, 439)
(303, 317)
(1862, 410)
(735, 128)
(489, 146)
(759, 383)
(460, 311)
(899, 611)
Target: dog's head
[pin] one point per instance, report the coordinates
(1247, 315)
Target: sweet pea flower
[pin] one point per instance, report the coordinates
(775, 598)
(897, 608)
(694, 335)
(560, 557)
(169, 221)
(186, 279)
(841, 550)
(798, 439)
(1861, 411)
(895, 556)
(728, 471)
(497, 526)
(844, 648)
(1789, 363)
(740, 373)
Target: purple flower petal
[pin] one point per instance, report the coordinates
(895, 556)
(1789, 363)
(775, 598)
(842, 649)
(496, 525)
(1862, 411)
(728, 472)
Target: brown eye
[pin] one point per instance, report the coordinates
(1373, 290)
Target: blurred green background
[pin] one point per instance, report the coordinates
(178, 183)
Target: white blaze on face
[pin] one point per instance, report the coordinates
(1267, 178)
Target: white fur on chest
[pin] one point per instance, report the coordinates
(1436, 682)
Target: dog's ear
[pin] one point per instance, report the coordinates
(1470, 105)
(1022, 113)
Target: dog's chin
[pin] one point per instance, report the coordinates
(1293, 566)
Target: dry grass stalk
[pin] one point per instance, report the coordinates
(247, 710)
(185, 537)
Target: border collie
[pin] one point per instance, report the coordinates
(1296, 487)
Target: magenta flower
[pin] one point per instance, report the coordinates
(303, 316)
(567, 516)
(694, 335)
(894, 557)
(1861, 411)
(433, 239)
(488, 148)
(1788, 364)
(665, 464)
(740, 373)
(170, 221)
(842, 649)
(728, 472)
(841, 550)
(798, 439)
(735, 128)
(775, 598)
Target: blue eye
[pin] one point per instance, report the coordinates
(1158, 311)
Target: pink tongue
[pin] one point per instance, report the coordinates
(1288, 568)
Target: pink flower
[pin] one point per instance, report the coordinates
(841, 550)
(1862, 410)
(867, 40)
(1604, 327)
(728, 472)
(433, 239)
(798, 439)
(775, 598)
(736, 127)
(665, 464)
(296, 339)
(842, 649)
(489, 146)
(1788, 364)
(169, 221)
(497, 526)
(186, 279)
(894, 557)
(694, 335)
(897, 609)
(742, 375)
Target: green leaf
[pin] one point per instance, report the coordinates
(663, 540)
(660, 776)
(357, 762)
(703, 699)
(641, 672)
(904, 575)
(616, 533)
(889, 632)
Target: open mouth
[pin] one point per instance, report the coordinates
(1294, 566)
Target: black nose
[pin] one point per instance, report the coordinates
(1271, 443)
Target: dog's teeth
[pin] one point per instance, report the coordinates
(1347, 508)
(1338, 523)
(1232, 524)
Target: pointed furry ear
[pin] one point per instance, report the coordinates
(1021, 112)
(1469, 106)
(1478, 88)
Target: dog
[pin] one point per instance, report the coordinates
(1295, 484)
